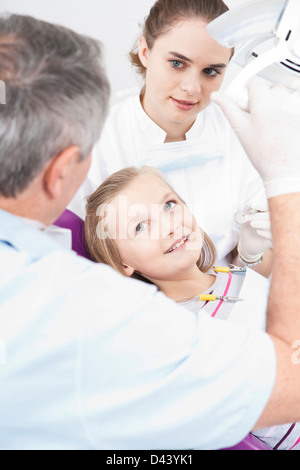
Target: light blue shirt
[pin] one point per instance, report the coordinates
(94, 360)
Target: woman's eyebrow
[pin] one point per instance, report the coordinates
(217, 66)
(186, 59)
(180, 56)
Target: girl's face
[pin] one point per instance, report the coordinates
(183, 68)
(154, 231)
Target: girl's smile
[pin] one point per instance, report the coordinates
(177, 245)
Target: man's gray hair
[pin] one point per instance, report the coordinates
(56, 96)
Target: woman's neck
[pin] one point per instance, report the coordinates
(186, 286)
(175, 131)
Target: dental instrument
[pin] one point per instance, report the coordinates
(212, 297)
(230, 269)
(242, 218)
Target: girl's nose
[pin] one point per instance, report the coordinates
(171, 226)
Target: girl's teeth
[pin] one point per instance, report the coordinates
(178, 244)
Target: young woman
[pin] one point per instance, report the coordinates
(139, 225)
(172, 125)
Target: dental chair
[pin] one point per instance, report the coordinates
(71, 221)
(250, 443)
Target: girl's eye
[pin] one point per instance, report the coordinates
(140, 227)
(177, 64)
(169, 205)
(211, 72)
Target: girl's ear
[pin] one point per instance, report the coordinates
(143, 51)
(128, 270)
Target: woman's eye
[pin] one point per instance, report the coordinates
(140, 227)
(211, 72)
(169, 205)
(177, 64)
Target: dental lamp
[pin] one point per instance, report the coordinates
(266, 36)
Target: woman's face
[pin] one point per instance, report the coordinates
(183, 68)
(154, 231)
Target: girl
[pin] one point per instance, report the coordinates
(139, 225)
(172, 125)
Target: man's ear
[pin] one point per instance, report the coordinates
(128, 270)
(58, 168)
(143, 51)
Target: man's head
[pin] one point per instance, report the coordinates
(56, 99)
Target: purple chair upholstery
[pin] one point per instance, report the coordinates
(71, 221)
(250, 443)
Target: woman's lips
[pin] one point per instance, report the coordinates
(184, 105)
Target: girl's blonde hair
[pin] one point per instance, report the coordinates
(165, 13)
(102, 248)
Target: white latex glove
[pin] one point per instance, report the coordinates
(269, 133)
(255, 232)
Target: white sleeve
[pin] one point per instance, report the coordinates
(156, 376)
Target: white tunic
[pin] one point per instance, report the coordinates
(209, 170)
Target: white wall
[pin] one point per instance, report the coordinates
(114, 22)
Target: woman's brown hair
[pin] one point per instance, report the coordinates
(101, 246)
(165, 13)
